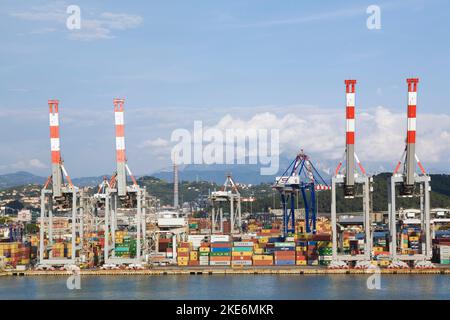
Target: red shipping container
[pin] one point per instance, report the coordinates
(183, 254)
(220, 245)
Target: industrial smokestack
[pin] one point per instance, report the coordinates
(175, 185)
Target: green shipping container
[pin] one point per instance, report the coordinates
(219, 254)
(242, 249)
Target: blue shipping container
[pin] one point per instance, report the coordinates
(220, 249)
(285, 262)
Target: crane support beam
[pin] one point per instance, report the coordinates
(350, 137)
(57, 179)
(410, 160)
(120, 148)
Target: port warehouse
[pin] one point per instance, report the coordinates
(119, 226)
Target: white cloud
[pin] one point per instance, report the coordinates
(28, 164)
(159, 142)
(93, 26)
(380, 133)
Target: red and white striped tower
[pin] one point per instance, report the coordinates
(350, 135)
(55, 147)
(120, 148)
(411, 134)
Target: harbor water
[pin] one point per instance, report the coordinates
(234, 287)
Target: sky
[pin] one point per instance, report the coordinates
(231, 64)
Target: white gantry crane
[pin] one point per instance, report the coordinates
(410, 184)
(59, 197)
(355, 185)
(126, 201)
(229, 194)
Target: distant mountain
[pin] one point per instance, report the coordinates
(19, 178)
(87, 181)
(250, 173)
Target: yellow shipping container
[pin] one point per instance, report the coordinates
(262, 257)
(194, 255)
(374, 262)
(204, 249)
(183, 249)
(259, 251)
(263, 240)
(413, 238)
(183, 258)
(301, 262)
(384, 263)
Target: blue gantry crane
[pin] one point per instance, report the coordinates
(300, 177)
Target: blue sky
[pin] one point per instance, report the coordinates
(180, 61)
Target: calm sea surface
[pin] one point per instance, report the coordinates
(228, 287)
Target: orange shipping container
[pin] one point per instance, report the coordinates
(219, 258)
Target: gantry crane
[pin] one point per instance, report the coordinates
(412, 185)
(355, 185)
(300, 176)
(119, 197)
(58, 196)
(229, 194)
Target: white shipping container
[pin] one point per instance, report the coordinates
(284, 244)
(219, 263)
(290, 239)
(220, 238)
(445, 252)
(242, 262)
(243, 244)
(159, 255)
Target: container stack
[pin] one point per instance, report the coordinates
(313, 256)
(204, 254)
(165, 246)
(58, 250)
(414, 244)
(15, 253)
(262, 260)
(284, 253)
(242, 253)
(183, 254)
(444, 254)
(301, 253)
(325, 253)
(193, 258)
(220, 254)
